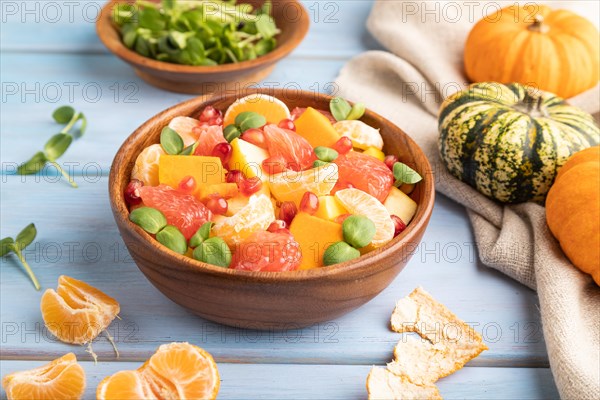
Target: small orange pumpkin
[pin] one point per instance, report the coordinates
(552, 50)
(573, 210)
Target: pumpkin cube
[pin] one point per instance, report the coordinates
(399, 204)
(205, 170)
(330, 208)
(314, 235)
(225, 190)
(316, 128)
(247, 158)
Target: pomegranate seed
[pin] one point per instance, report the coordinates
(309, 203)
(274, 165)
(234, 176)
(211, 116)
(287, 212)
(249, 186)
(256, 137)
(343, 145)
(390, 161)
(399, 225)
(341, 218)
(287, 124)
(223, 151)
(277, 226)
(217, 204)
(132, 192)
(187, 185)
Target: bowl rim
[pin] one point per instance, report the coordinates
(396, 245)
(104, 26)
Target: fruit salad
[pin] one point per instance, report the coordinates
(258, 187)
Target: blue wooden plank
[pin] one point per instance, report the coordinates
(337, 27)
(114, 99)
(268, 381)
(77, 237)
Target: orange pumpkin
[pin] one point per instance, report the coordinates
(573, 210)
(552, 50)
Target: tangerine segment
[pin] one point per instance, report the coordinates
(145, 168)
(291, 185)
(255, 216)
(361, 203)
(62, 378)
(124, 385)
(175, 371)
(274, 110)
(77, 312)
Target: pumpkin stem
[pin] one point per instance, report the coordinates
(538, 24)
(532, 104)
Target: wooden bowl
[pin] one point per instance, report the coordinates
(290, 16)
(269, 300)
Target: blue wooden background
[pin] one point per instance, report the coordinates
(51, 56)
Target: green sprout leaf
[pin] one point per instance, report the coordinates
(34, 165)
(326, 154)
(404, 174)
(358, 231)
(149, 219)
(6, 246)
(188, 151)
(63, 114)
(339, 252)
(170, 141)
(201, 235)
(231, 132)
(358, 110)
(171, 237)
(57, 145)
(340, 108)
(26, 236)
(24, 239)
(249, 120)
(214, 251)
(319, 163)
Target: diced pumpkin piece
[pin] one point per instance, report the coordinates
(225, 190)
(247, 158)
(329, 208)
(316, 128)
(205, 170)
(398, 203)
(314, 235)
(375, 152)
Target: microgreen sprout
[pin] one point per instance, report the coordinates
(24, 238)
(57, 145)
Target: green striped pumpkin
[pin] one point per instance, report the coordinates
(508, 141)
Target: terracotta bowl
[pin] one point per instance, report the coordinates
(291, 17)
(269, 300)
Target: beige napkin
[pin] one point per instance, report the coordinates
(406, 85)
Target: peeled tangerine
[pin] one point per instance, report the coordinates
(175, 371)
(77, 312)
(62, 378)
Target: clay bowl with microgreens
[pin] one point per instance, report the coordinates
(270, 210)
(202, 46)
